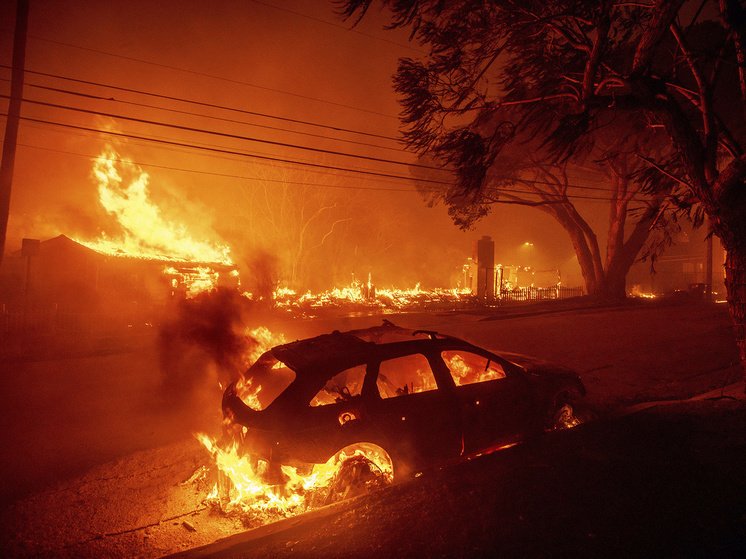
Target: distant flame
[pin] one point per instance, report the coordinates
(147, 234)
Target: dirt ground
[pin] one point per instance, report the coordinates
(112, 474)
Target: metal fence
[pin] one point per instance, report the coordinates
(531, 294)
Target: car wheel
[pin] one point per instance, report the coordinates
(356, 476)
(569, 410)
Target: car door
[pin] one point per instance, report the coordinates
(335, 417)
(496, 402)
(420, 421)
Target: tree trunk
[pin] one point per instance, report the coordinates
(726, 209)
(735, 284)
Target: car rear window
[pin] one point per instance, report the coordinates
(468, 368)
(264, 381)
(408, 374)
(341, 387)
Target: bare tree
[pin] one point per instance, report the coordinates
(285, 214)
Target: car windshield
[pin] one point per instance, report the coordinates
(264, 381)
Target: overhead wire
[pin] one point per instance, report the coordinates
(212, 76)
(249, 124)
(225, 134)
(207, 116)
(328, 152)
(327, 167)
(204, 104)
(548, 183)
(226, 151)
(242, 154)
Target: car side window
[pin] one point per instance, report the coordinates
(408, 374)
(341, 387)
(468, 368)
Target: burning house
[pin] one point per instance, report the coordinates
(66, 276)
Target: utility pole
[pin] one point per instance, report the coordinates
(708, 271)
(14, 114)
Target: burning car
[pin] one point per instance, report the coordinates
(399, 399)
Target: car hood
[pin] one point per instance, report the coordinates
(537, 366)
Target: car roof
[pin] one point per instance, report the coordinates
(341, 350)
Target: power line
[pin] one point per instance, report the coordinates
(226, 135)
(203, 115)
(535, 181)
(203, 104)
(225, 175)
(560, 197)
(211, 76)
(226, 151)
(148, 141)
(221, 175)
(290, 183)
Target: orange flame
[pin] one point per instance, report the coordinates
(250, 495)
(147, 234)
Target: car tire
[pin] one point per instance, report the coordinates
(356, 476)
(567, 410)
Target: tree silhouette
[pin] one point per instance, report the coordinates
(564, 68)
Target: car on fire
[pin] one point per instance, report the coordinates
(410, 399)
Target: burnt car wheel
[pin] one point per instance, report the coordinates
(568, 410)
(356, 476)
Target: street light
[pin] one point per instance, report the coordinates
(530, 253)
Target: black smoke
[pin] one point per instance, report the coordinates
(204, 342)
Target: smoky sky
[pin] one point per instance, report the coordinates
(292, 59)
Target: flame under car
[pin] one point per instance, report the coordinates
(414, 399)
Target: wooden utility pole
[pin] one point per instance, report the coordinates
(708, 271)
(14, 114)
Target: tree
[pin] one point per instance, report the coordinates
(565, 66)
(523, 173)
(283, 214)
(456, 111)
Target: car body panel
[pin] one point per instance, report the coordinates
(410, 403)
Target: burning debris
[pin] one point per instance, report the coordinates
(358, 297)
(251, 490)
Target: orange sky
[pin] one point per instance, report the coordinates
(288, 59)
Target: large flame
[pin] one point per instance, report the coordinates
(247, 486)
(146, 233)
